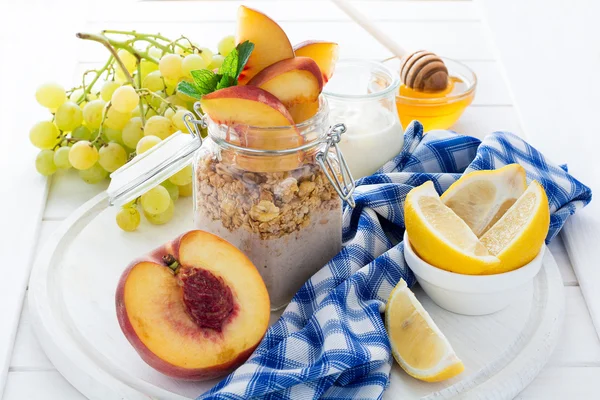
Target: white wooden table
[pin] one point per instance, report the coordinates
(455, 29)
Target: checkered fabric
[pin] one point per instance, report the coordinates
(331, 342)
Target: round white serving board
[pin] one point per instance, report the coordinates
(71, 296)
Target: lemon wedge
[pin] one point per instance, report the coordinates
(480, 198)
(442, 238)
(519, 234)
(417, 343)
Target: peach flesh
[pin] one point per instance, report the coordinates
(325, 54)
(292, 81)
(271, 44)
(155, 319)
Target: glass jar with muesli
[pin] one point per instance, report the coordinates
(276, 194)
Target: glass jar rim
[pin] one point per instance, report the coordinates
(394, 80)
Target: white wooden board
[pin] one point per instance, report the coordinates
(71, 301)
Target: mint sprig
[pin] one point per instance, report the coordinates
(206, 81)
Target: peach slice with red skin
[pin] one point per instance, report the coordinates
(325, 54)
(193, 309)
(271, 44)
(293, 81)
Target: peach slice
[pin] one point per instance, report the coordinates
(247, 105)
(292, 81)
(303, 111)
(271, 44)
(194, 308)
(325, 55)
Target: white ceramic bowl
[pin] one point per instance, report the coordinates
(470, 294)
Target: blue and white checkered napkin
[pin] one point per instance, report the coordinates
(331, 342)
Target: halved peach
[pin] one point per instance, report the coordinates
(325, 55)
(194, 308)
(271, 44)
(292, 81)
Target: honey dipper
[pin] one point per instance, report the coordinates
(421, 70)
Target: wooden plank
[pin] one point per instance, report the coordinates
(25, 189)
(461, 40)
(579, 344)
(22, 385)
(563, 383)
(560, 119)
(186, 11)
(68, 192)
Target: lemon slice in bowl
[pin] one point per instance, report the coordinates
(519, 234)
(417, 343)
(480, 198)
(441, 238)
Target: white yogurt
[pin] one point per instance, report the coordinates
(373, 135)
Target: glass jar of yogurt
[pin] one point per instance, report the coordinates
(363, 95)
(275, 193)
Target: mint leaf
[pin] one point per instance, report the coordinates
(206, 81)
(225, 81)
(230, 64)
(189, 89)
(244, 50)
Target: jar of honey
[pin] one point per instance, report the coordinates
(436, 110)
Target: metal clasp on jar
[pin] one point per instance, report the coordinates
(346, 187)
(194, 125)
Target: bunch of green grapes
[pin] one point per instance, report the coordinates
(129, 106)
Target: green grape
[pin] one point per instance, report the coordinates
(153, 81)
(61, 158)
(216, 62)
(113, 135)
(125, 99)
(108, 89)
(186, 99)
(51, 95)
(170, 66)
(76, 95)
(186, 190)
(191, 63)
(115, 119)
(82, 132)
(128, 218)
(183, 177)
(94, 174)
(128, 59)
(147, 67)
(44, 163)
(172, 188)
(155, 52)
(226, 45)
(169, 112)
(175, 101)
(83, 155)
(207, 54)
(156, 200)
(44, 135)
(133, 132)
(92, 113)
(120, 75)
(68, 116)
(112, 157)
(161, 218)
(150, 113)
(170, 86)
(155, 101)
(146, 143)
(178, 121)
(158, 126)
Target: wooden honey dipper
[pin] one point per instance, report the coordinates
(421, 70)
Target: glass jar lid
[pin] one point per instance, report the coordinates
(157, 164)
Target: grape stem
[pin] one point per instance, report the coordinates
(101, 128)
(87, 88)
(144, 92)
(111, 44)
(148, 37)
(140, 103)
